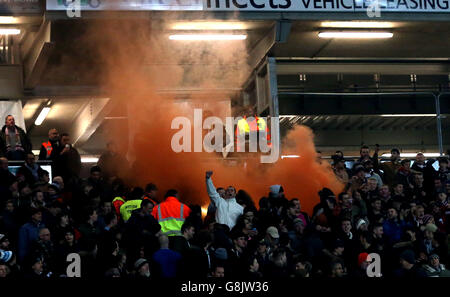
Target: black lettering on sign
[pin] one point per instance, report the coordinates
(439, 3)
(402, 2)
(355, 5)
(272, 5)
(315, 4)
(256, 5)
(287, 5)
(414, 6)
(365, 4)
(307, 3)
(431, 2)
(328, 1)
(345, 6)
(209, 5)
(239, 5)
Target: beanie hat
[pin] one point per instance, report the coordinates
(221, 254)
(362, 258)
(434, 256)
(408, 256)
(5, 256)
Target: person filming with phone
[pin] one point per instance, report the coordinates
(67, 162)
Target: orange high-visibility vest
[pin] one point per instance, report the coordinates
(171, 215)
(48, 146)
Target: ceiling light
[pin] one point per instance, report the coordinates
(8, 20)
(9, 31)
(290, 156)
(409, 115)
(42, 116)
(89, 159)
(208, 26)
(207, 37)
(357, 24)
(355, 34)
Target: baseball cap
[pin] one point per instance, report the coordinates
(273, 232)
(360, 223)
(5, 256)
(139, 262)
(276, 189)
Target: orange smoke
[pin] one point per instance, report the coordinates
(131, 56)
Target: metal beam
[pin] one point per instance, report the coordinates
(278, 33)
(37, 56)
(317, 67)
(89, 119)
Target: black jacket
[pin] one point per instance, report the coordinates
(26, 143)
(56, 147)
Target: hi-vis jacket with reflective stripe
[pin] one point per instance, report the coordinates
(171, 215)
(127, 208)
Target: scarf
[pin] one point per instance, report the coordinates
(34, 170)
(9, 143)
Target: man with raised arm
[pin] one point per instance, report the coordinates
(228, 210)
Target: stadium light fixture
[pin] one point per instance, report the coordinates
(9, 31)
(8, 20)
(42, 116)
(208, 26)
(357, 24)
(89, 159)
(409, 115)
(355, 34)
(289, 156)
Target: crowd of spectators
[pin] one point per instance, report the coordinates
(397, 211)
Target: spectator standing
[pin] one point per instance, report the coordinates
(50, 148)
(67, 162)
(228, 210)
(14, 142)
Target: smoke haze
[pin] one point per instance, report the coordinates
(136, 64)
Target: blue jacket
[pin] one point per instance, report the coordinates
(394, 230)
(167, 262)
(27, 234)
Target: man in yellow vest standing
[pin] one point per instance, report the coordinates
(171, 214)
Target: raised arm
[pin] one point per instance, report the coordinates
(215, 197)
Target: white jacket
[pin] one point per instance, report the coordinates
(228, 210)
